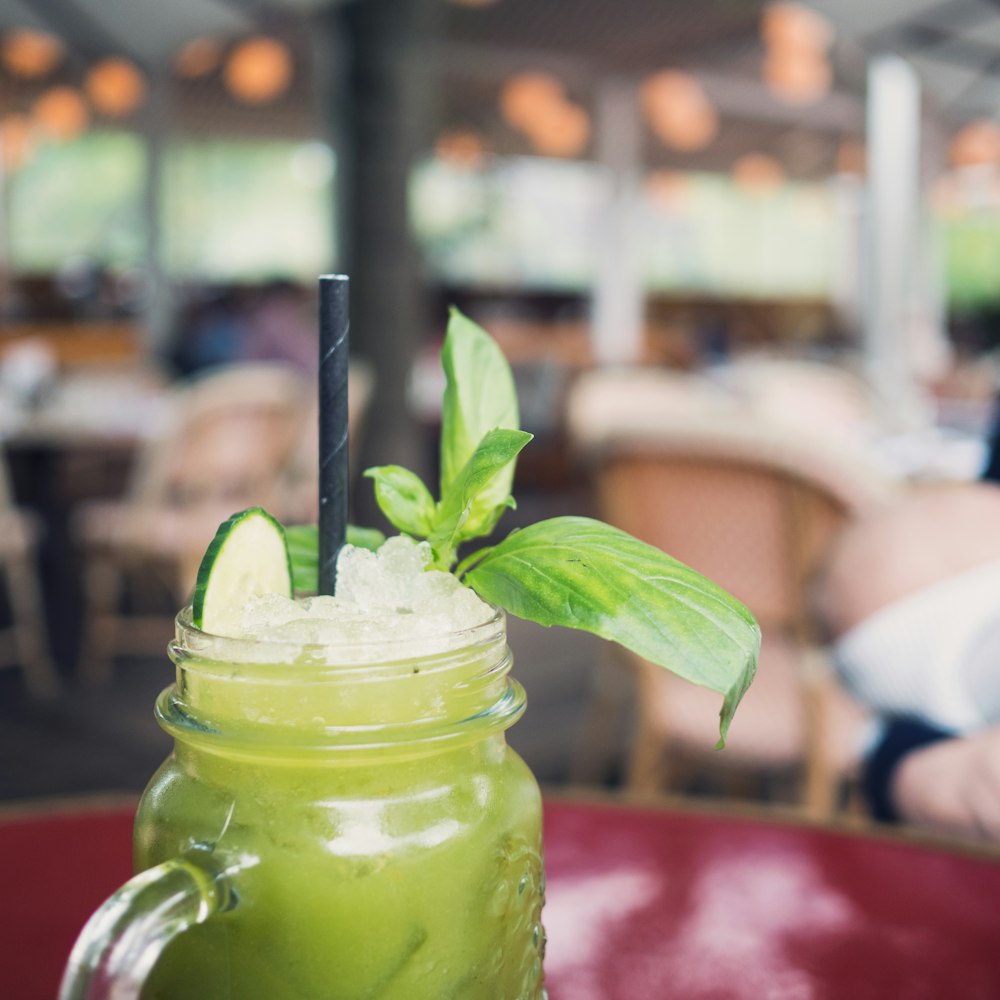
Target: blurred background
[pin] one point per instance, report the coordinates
(743, 257)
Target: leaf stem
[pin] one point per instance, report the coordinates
(470, 560)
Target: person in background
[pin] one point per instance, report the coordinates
(991, 470)
(211, 332)
(282, 326)
(911, 597)
(273, 322)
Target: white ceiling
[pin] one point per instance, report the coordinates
(954, 44)
(150, 31)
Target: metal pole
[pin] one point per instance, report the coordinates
(892, 233)
(384, 122)
(6, 257)
(158, 313)
(619, 306)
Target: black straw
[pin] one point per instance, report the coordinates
(334, 329)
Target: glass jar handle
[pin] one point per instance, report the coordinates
(122, 941)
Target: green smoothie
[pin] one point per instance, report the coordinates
(384, 841)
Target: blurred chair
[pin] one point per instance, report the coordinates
(753, 508)
(602, 401)
(226, 442)
(23, 642)
(301, 476)
(824, 398)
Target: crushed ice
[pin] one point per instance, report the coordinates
(385, 594)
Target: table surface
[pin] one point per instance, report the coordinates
(643, 902)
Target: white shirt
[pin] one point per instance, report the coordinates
(934, 654)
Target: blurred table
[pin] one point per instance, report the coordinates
(700, 905)
(94, 408)
(80, 342)
(643, 903)
(75, 440)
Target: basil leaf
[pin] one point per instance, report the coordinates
(479, 397)
(452, 521)
(403, 498)
(303, 551)
(303, 554)
(581, 573)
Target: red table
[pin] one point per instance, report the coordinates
(656, 903)
(644, 903)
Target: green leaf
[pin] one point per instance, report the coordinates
(303, 551)
(479, 397)
(404, 499)
(452, 522)
(581, 573)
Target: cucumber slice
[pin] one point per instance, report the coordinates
(248, 557)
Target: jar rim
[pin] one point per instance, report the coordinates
(192, 643)
(243, 696)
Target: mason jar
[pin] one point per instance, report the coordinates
(334, 823)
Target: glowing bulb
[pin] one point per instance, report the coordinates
(61, 112)
(259, 70)
(30, 53)
(198, 58)
(797, 76)
(793, 26)
(115, 87)
(976, 144)
(679, 111)
(563, 131)
(527, 97)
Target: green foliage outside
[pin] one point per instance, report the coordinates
(230, 209)
(971, 249)
(80, 198)
(247, 209)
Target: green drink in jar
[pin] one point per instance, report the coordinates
(382, 839)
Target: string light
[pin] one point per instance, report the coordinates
(798, 77)
(115, 87)
(30, 54)
(976, 144)
(259, 70)
(796, 65)
(198, 58)
(526, 97)
(536, 105)
(793, 26)
(563, 131)
(61, 112)
(679, 111)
